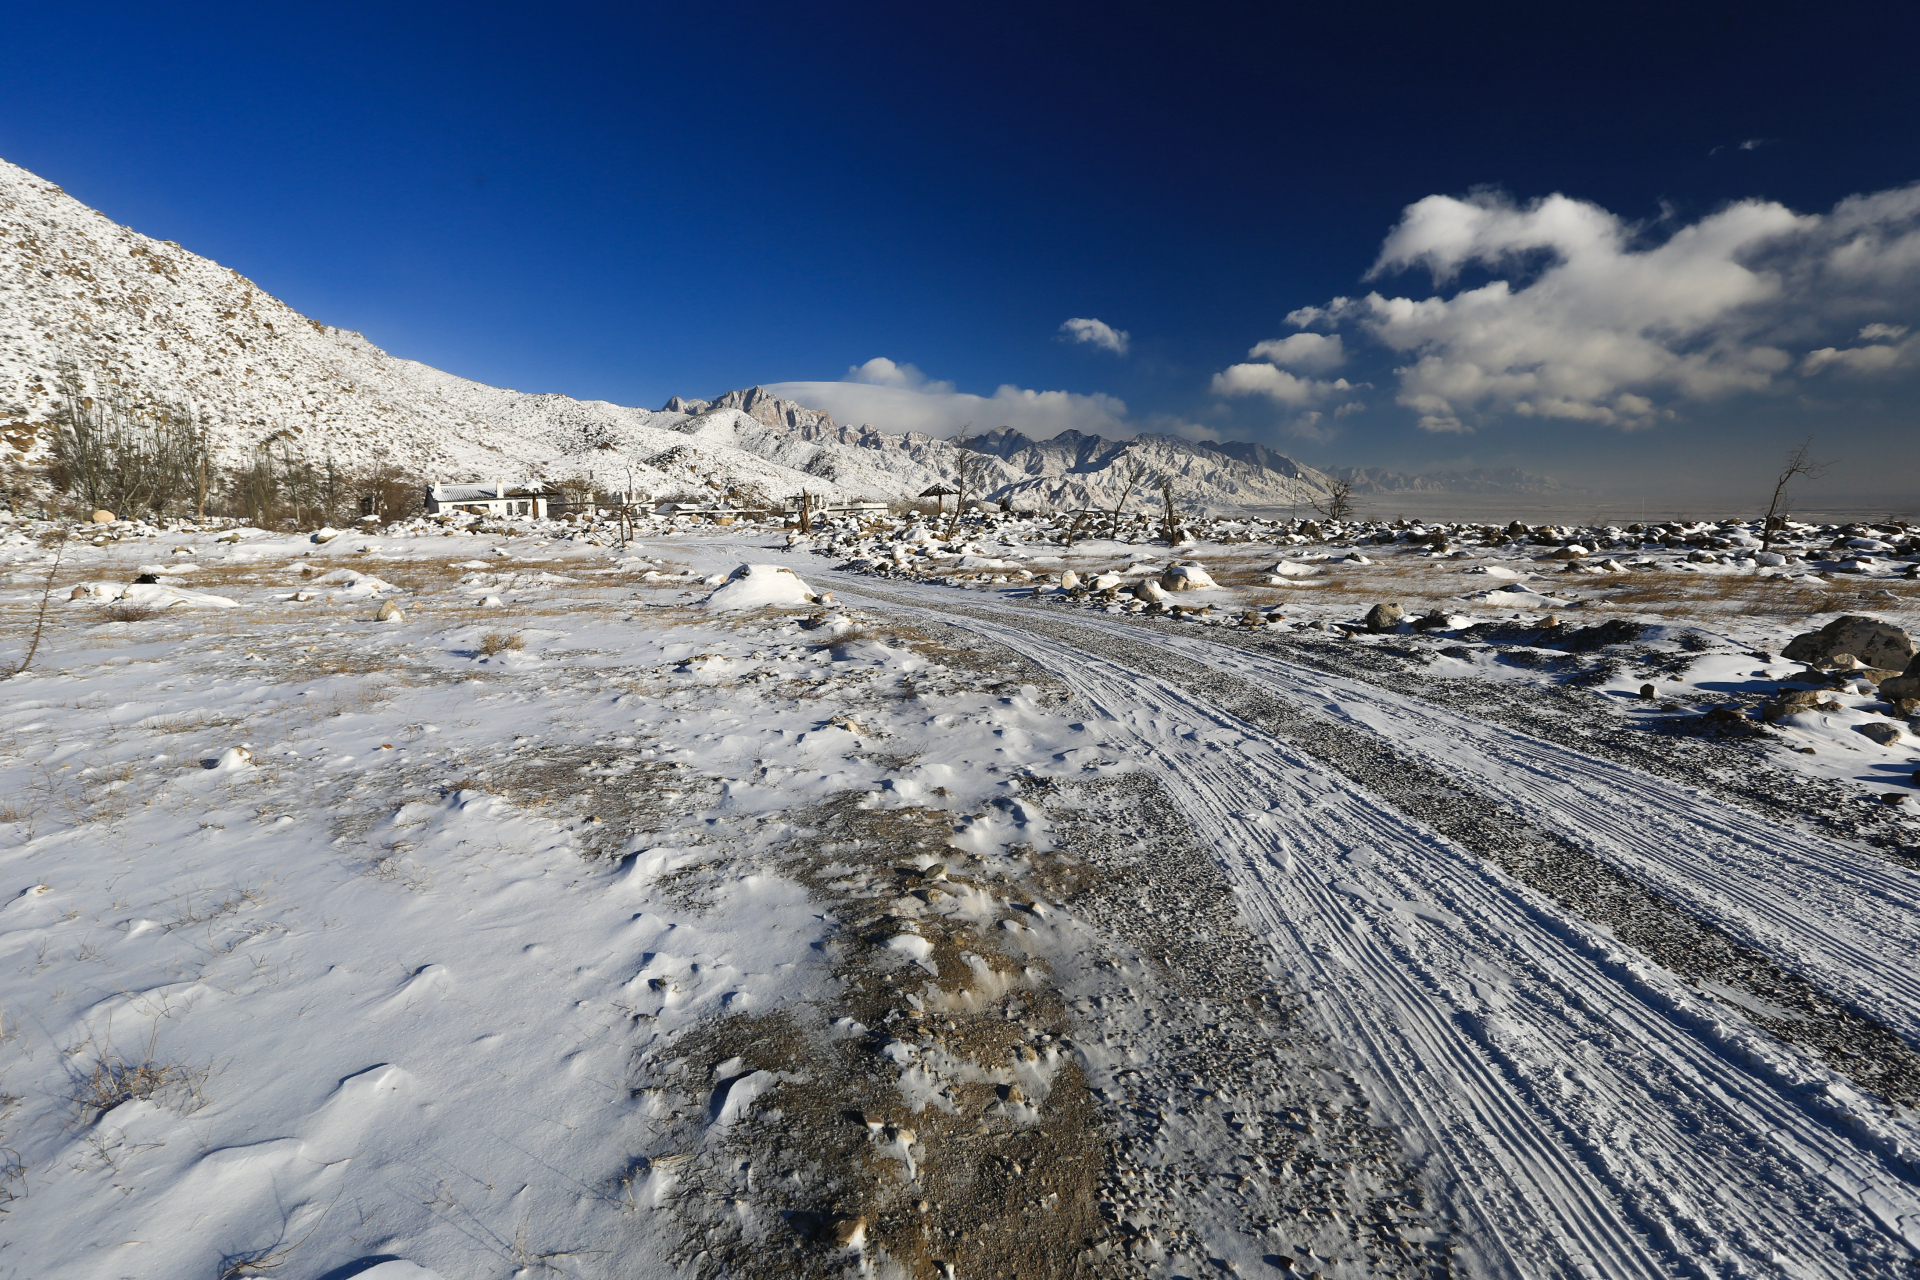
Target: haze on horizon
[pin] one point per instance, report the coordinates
(1645, 260)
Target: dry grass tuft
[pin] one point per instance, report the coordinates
(115, 1079)
(128, 611)
(499, 641)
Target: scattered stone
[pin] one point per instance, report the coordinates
(389, 612)
(1069, 580)
(1572, 551)
(1869, 640)
(1893, 797)
(104, 517)
(1385, 617)
(148, 580)
(1884, 734)
(1647, 691)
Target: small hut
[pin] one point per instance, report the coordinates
(940, 493)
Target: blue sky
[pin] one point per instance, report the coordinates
(894, 210)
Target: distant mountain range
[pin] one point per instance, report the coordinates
(167, 325)
(1479, 480)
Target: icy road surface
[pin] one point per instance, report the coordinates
(1579, 1108)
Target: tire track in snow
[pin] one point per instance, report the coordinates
(1582, 1111)
(1844, 918)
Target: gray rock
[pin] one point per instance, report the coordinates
(1882, 732)
(1385, 617)
(1873, 642)
(389, 612)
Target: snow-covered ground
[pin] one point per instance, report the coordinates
(890, 908)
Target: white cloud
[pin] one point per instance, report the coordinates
(1881, 357)
(1589, 321)
(1276, 384)
(1875, 332)
(898, 397)
(1097, 333)
(1313, 352)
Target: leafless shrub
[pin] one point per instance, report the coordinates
(499, 641)
(128, 611)
(113, 452)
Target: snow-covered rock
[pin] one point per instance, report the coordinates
(1186, 577)
(760, 586)
(1873, 642)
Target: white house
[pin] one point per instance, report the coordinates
(489, 498)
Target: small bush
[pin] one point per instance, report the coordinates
(128, 611)
(497, 641)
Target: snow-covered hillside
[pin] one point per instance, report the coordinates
(168, 325)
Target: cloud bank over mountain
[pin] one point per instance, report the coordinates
(1590, 319)
(903, 398)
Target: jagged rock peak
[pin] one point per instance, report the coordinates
(759, 404)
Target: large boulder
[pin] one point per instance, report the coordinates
(1186, 577)
(1385, 617)
(1873, 642)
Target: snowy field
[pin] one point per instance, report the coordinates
(884, 901)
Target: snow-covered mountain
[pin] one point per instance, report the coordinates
(166, 325)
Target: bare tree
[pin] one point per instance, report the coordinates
(1338, 504)
(1169, 516)
(1079, 520)
(59, 541)
(978, 474)
(1798, 463)
(1132, 472)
